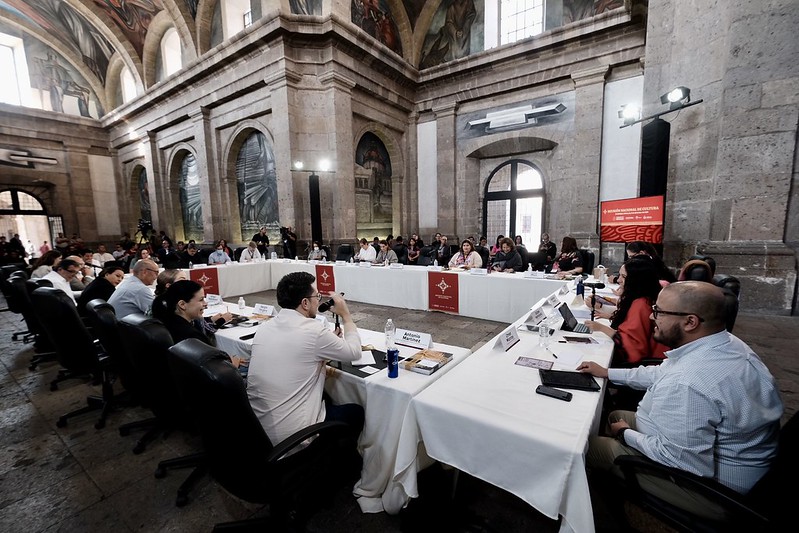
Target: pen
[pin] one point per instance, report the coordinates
(553, 353)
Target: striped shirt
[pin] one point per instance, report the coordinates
(712, 408)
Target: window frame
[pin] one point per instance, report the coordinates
(513, 194)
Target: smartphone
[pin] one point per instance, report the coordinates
(554, 393)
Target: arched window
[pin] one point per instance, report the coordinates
(191, 205)
(170, 53)
(513, 203)
(128, 85)
(257, 185)
(24, 214)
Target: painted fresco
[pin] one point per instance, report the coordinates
(192, 5)
(375, 18)
(56, 85)
(455, 32)
(574, 10)
(372, 180)
(133, 17)
(256, 178)
(61, 21)
(190, 201)
(306, 7)
(144, 196)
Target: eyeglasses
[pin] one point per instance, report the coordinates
(317, 296)
(154, 271)
(73, 272)
(657, 311)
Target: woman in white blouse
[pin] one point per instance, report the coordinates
(467, 257)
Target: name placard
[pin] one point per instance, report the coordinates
(264, 309)
(365, 264)
(553, 299)
(536, 274)
(537, 316)
(313, 261)
(564, 289)
(414, 339)
(396, 266)
(507, 339)
(213, 299)
(199, 265)
(478, 271)
(436, 268)
(286, 260)
(341, 263)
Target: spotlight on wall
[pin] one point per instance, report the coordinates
(630, 113)
(677, 97)
(324, 165)
(298, 165)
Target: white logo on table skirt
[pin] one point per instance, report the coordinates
(203, 279)
(443, 286)
(324, 275)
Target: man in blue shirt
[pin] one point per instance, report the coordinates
(712, 408)
(218, 256)
(134, 294)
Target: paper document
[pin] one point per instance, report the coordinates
(367, 358)
(369, 369)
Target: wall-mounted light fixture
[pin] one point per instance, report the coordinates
(314, 194)
(677, 98)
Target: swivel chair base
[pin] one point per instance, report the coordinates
(196, 460)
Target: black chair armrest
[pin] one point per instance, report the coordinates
(291, 442)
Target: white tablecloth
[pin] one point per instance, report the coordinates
(485, 418)
(501, 296)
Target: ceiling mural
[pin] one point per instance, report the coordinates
(66, 25)
(132, 17)
(456, 32)
(413, 8)
(375, 18)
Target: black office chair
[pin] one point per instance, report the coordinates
(147, 342)
(732, 293)
(5, 272)
(215, 392)
(76, 350)
(14, 304)
(237, 253)
(485, 255)
(425, 260)
(537, 259)
(402, 253)
(345, 252)
(767, 507)
(525, 260)
(588, 261)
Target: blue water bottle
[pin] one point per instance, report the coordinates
(580, 289)
(392, 354)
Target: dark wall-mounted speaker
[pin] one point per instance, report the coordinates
(654, 158)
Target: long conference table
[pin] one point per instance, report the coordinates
(498, 296)
(479, 414)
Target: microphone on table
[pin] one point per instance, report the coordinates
(595, 285)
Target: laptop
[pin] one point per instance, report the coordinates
(569, 322)
(563, 379)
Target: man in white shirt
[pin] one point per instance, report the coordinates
(250, 253)
(286, 378)
(101, 256)
(134, 295)
(62, 275)
(367, 253)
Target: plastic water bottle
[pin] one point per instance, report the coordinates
(530, 268)
(352, 259)
(242, 304)
(392, 354)
(190, 265)
(580, 288)
(296, 257)
(543, 333)
(435, 262)
(390, 331)
(273, 256)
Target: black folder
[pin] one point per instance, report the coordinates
(563, 379)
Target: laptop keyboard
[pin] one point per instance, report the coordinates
(581, 328)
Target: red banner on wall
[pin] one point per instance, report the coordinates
(442, 292)
(207, 277)
(325, 279)
(633, 219)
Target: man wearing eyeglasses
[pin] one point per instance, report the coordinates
(290, 352)
(134, 294)
(62, 275)
(712, 408)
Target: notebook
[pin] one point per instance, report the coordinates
(569, 322)
(563, 379)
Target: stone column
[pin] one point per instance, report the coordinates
(158, 185)
(80, 191)
(446, 143)
(216, 204)
(284, 91)
(583, 181)
(409, 213)
(338, 190)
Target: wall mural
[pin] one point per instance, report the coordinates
(133, 17)
(456, 31)
(56, 85)
(375, 18)
(191, 205)
(306, 7)
(372, 181)
(63, 23)
(192, 5)
(413, 8)
(257, 184)
(144, 196)
(574, 10)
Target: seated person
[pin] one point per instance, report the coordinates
(288, 365)
(569, 262)
(250, 254)
(366, 253)
(180, 307)
(712, 408)
(413, 251)
(101, 256)
(630, 326)
(507, 259)
(62, 275)
(547, 247)
(189, 257)
(443, 252)
(102, 287)
(45, 264)
(401, 249)
(467, 257)
(133, 295)
(219, 256)
(386, 255)
(497, 246)
(142, 254)
(317, 253)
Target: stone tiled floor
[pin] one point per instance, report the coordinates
(82, 479)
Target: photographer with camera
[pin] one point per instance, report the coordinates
(289, 239)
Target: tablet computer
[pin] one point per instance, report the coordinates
(563, 379)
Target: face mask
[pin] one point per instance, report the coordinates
(315, 248)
